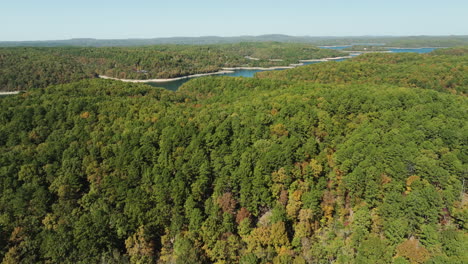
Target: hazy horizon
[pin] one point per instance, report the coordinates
(238, 36)
(57, 20)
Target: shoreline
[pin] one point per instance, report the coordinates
(221, 72)
(9, 93)
(260, 68)
(327, 59)
(167, 79)
(225, 71)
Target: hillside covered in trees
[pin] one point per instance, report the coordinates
(23, 68)
(442, 70)
(366, 167)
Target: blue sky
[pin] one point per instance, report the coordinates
(106, 19)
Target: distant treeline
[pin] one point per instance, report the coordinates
(23, 68)
(408, 41)
(442, 70)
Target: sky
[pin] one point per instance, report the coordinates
(117, 19)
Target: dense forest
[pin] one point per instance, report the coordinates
(442, 70)
(23, 68)
(281, 169)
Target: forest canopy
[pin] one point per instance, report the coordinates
(22, 68)
(442, 70)
(236, 170)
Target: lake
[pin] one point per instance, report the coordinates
(417, 50)
(174, 85)
(395, 50)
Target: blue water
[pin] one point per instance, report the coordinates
(417, 50)
(310, 62)
(174, 85)
(242, 73)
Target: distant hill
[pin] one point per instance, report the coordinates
(407, 41)
(442, 70)
(22, 68)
